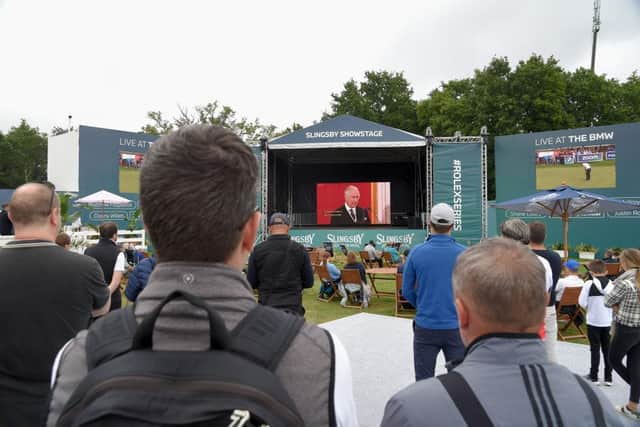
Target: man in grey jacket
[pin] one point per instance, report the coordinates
(197, 194)
(506, 378)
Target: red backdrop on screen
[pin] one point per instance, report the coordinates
(330, 196)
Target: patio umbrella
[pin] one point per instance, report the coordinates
(101, 199)
(565, 202)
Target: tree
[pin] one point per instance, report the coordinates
(631, 98)
(23, 156)
(212, 113)
(383, 97)
(593, 100)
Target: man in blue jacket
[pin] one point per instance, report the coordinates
(139, 277)
(426, 283)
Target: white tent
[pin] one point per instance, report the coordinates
(102, 198)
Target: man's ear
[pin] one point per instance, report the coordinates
(54, 217)
(249, 232)
(463, 312)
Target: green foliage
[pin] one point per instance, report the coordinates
(212, 113)
(23, 156)
(383, 97)
(65, 209)
(585, 247)
(133, 221)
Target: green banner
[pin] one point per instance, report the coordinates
(354, 240)
(457, 181)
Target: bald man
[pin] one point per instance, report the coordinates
(47, 297)
(506, 378)
(350, 213)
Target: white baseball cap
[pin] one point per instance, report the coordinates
(441, 214)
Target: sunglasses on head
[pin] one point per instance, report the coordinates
(53, 193)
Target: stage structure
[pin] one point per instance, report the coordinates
(307, 174)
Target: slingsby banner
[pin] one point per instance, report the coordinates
(457, 181)
(354, 240)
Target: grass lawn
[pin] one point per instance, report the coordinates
(129, 180)
(603, 175)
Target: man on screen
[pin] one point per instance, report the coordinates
(350, 213)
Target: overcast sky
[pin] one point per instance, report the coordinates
(109, 62)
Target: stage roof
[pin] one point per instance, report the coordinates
(347, 132)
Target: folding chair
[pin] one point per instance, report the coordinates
(388, 260)
(368, 263)
(352, 276)
(402, 302)
(325, 278)
(569, 299)
(613, 268)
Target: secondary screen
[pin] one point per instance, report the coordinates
(591, 166)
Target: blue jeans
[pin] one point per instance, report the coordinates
(427, 343)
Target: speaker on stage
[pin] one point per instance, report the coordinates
(414, 222)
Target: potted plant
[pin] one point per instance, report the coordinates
(586, 251)
(558, 247)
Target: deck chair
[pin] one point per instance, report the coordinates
(352, 277)
(388, 261)
(569, 298)
(368, 263)
(325, 278)
(401, 302)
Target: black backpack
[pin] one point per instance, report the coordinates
(232, 384)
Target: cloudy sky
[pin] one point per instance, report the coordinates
(107, 63)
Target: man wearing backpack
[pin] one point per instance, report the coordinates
(197, 194)
(506, 377)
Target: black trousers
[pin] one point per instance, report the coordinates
(599, 340)
(626, 341)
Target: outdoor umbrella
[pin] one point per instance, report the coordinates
(101, 199)
(565, 202)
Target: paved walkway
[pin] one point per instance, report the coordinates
(380, 348)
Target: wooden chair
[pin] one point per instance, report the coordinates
(569, 299)
(388, 260)
(352, 276)
(368, 263)
(325, 277)
(613, 268)
(401, 301)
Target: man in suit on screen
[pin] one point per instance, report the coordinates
(350, 213)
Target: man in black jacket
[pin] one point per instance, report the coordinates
(6, 227)
(111, 260)
(279, 268)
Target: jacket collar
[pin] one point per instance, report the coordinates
(104, 241)
(504, 349)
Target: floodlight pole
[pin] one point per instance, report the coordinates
(596, 29)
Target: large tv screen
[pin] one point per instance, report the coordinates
(347, 204)
(591, 166)
(129, 172)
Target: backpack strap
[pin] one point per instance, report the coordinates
(264, 335)
(110, 336)
(465, 400)
(596, 407)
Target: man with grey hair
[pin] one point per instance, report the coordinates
(504, 378)
(350, 213)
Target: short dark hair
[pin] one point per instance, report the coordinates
(108, 230)
(537, 232)
(440, 228)
(63, 239)
(197, 191)
(597, 266)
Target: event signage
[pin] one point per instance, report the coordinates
(594, 157)
(612, 152)
(457, 181)
(356, 239)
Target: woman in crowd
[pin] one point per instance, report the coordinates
(626, 339)
(353, 264)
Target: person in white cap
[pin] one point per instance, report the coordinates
(426, 283)
(587, 171)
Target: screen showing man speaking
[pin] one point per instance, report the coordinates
(592, 166)
(353, 203)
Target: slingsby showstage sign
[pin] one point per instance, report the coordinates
(356, 239)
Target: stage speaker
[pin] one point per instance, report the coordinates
(414, 222)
